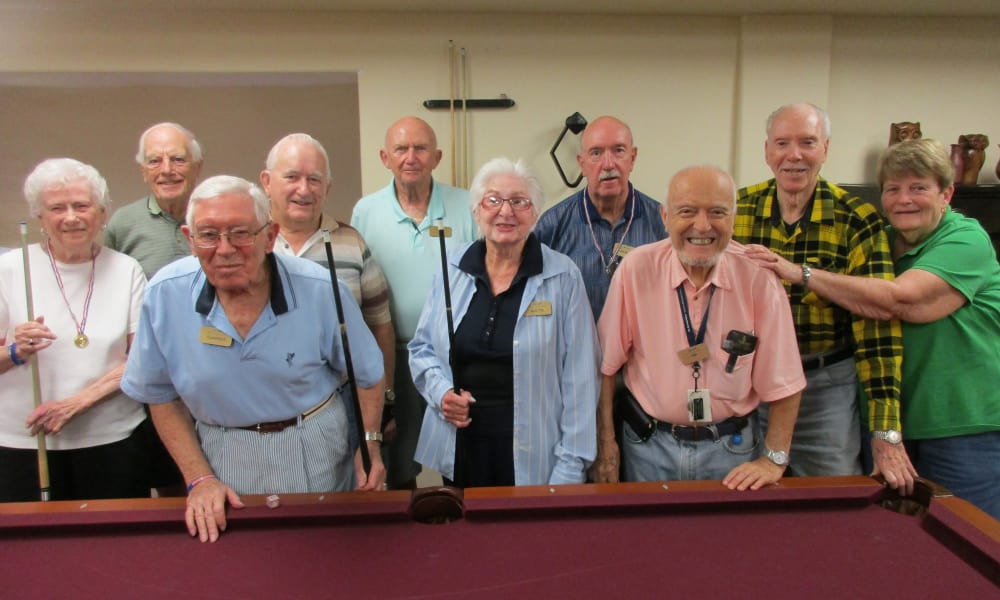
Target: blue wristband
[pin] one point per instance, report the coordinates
(13, 354)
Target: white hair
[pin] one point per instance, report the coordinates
(220, 185)
(57, 173)
(505, 166)
(192, 145)
(301, 138)
(824, 118)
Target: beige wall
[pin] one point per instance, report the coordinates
(695, 89)
(97, 118)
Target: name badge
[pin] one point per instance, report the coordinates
(699, 406)
(214, 337)
(539, 308)
(693, 354)
(623, 249)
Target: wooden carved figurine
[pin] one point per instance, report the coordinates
(904, 130)
(974, 150)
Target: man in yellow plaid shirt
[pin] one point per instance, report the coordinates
(813, 223)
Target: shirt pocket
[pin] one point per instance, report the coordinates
(735, 386)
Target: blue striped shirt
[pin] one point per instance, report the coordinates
(564, 228)
(556, 381)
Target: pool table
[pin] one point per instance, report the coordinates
(811, 537)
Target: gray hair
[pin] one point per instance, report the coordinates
(824, 117)
(505, 166)
(221, 185)
(192, 145)
(299, 138)
(56, 173)
(917, 158)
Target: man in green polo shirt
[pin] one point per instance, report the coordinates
(148, 229)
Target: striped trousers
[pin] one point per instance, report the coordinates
(312, 456)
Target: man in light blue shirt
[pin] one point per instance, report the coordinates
(600, 224)
(248, 344)
(395, 222)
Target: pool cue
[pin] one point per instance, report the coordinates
(461, 442)
(451, 108)
(36, 387)
(465, 121)
(366, 459)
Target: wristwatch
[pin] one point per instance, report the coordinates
(890, 435)
(778, 457)
(390, 395)
(807, 274)
(373, 436)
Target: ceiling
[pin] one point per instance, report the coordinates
(912, 8)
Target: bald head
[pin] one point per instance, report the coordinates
(699, 214)
(604, 125)
(701, 179)
(410, 127)
(411, 152)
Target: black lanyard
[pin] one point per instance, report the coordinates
(694, 340)
(688, 328)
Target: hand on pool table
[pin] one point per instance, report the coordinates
(892, 462)
(375, 480)
(753, 475)
(206, 509)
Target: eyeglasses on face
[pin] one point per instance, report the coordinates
(236, 237)
(494, 202)
(152, 163)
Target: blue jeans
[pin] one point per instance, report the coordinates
(663, 457)
(968, 465)
(827, 436)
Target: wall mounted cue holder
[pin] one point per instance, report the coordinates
(487, 103)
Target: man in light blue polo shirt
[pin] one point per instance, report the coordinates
(248, 344)
(395, 222)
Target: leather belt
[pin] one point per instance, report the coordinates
(825, 360)
(278, 426)
(712, 431)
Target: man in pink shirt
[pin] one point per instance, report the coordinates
(703, 336)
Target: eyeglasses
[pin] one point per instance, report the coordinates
(236, 237)
(152, 163)
(493, 202)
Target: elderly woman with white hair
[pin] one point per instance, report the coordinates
(526, 351)
(86, 306)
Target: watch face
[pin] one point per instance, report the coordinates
(892, 436)
(778, 457)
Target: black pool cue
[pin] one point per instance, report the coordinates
(461, 438)
(366, 459)
(36, 387)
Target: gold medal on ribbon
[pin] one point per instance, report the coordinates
(81, 340)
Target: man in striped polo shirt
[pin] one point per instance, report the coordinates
(297, 180)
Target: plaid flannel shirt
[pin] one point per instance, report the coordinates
(842, 234)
